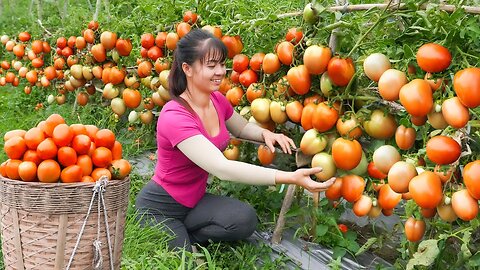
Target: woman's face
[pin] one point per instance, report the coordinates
(207, 75)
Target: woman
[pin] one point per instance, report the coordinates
(192, 131)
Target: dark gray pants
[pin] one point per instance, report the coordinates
(215, 218)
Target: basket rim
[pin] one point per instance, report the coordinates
(38, 184)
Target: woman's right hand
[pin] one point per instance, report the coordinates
(302, 177)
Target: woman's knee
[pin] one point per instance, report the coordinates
(245, 221)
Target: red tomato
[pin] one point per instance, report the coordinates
(340, 70)
(343, 228)
(414, 229)
(426, 189)
(248, 77)
(428, 212)
(443, 150)
(294, 35)
(374, 172)
(433, 57)
(256, 61)
(416, 96)
(190, 17)
(466, 83)
(240, 63)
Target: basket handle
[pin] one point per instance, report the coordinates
(98, 189)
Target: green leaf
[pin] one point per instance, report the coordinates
(407, 51)
(366, 246)
(321, 230)
(474, 260)
(353, 246)
(338, 252)
(466, 253)
(351, 235)
(425, 255)
(436, 132)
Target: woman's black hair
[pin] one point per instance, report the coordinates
(196, 45)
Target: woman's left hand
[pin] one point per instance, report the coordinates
(283, 141)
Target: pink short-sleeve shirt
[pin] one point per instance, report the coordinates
(178, 175)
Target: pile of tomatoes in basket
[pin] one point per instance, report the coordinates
(54, 151)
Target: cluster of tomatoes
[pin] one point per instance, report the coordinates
(277, 87)
(54, 151)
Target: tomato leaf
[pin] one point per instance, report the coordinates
(321, 230)
(425, 255)
(474, 260)
(466, 253)
(408, 52)
(338, 252)
(353, 246)
(351, 235)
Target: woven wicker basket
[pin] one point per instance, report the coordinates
(40, 224)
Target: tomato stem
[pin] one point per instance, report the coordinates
(336, 25)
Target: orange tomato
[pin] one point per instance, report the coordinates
(426, 189)
(105, 138)
(299, 79)
(271, 63)
(316, 59)
(85, 162)
(471, 178)
(464, 205)
(265, 155)
(352, 187)
(443, 150)
(414, 229)
(71, 174)
(340, 70)
(48, 171)
(15, 147)
(334, 192)
(102, 157)
(120, 168)
(466, 83)
(405, 137)
(346, 154)
(11, 169)
(97, 173)
(416, 97)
